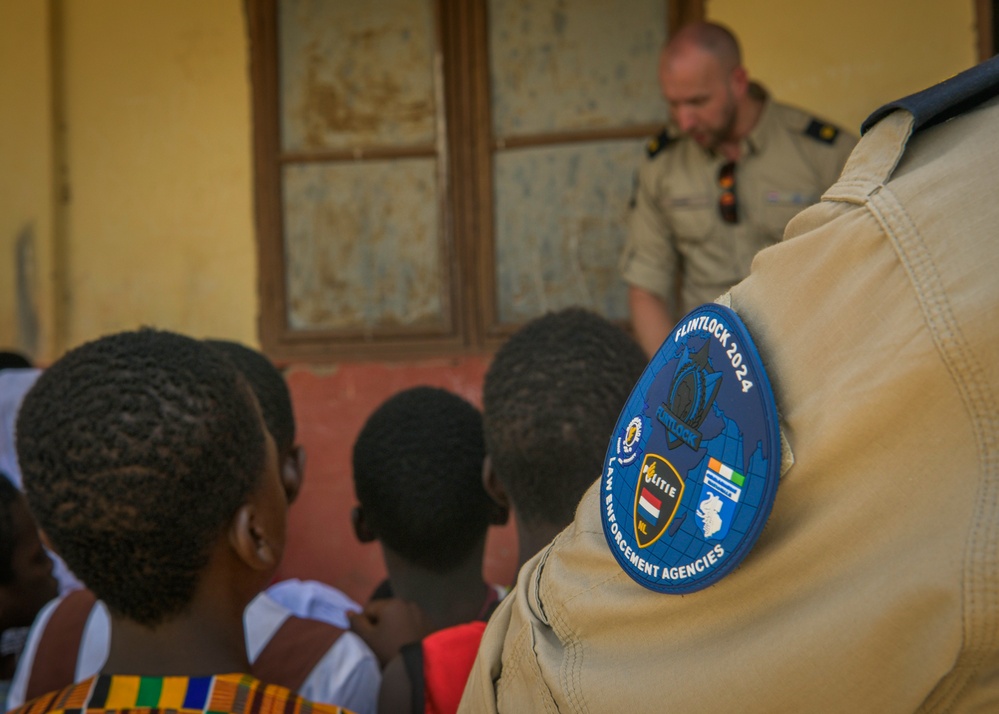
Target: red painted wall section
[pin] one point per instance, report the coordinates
(331, 405)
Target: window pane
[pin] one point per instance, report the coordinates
(561, 215)
(356, 73)
(362, 245)
(582, 65)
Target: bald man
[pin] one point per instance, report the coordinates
(720, 182)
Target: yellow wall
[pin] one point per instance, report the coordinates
(845, 59)
(26, 205)
(158, 228)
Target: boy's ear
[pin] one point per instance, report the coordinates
(251, 541)
(293, 472)
(361, 528)
(499, 513)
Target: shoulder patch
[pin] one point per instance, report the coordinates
(657, 144)
(820, 131)
(692, 469)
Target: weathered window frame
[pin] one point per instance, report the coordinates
(467, 204)
(987, 25)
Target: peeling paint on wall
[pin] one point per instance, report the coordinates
(588, 64)
(363, 246)
(356, 74)
(561, 211)
(561, 217)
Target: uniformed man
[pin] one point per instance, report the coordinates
(873, 585)
(720, 183)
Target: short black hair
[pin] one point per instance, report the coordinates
(9, 495)
(136, 450)
(268, 386)
(418, 476)
(13, 360)
(550, 401)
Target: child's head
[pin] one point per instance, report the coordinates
(26, 581)
(550, 401)
(418, 477)
(272, 394)
(137, 452)
(13, 360)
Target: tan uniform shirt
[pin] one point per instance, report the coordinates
(874, 586)
(675, 228)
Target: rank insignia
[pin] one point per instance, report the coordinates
(691, 473)
(826, 133)
(657, 144)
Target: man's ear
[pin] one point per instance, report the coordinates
(250, 539)
(293, 472)
(499, 512)
(739, 82)
(361, 528)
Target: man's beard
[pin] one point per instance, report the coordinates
(711, 138)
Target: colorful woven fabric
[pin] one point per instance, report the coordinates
(222, 694)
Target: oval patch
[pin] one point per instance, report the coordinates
(691, 472)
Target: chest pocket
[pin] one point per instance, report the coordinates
(692, 218)
(777, 208)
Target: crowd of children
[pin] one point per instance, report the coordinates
(161, 468)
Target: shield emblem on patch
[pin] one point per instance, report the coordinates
(657, 496)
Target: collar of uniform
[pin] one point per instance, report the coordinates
(756, 141)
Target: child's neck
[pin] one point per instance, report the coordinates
(183, 646)
(449, 598)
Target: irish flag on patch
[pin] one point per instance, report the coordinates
(650, 504)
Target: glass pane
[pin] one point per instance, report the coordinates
(362, 245)
(356, 73)
(589, 64)
(561, 216)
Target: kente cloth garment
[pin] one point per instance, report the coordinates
(221, 694)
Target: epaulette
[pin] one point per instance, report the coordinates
(657, 143)
(821, 131)
(945, 100)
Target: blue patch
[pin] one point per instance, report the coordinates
(691, 472)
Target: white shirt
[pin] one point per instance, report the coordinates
(348, 675)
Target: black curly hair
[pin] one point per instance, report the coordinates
(9, 495)
(268, 386)
(551, 398)
(136, 450)
(418, 476)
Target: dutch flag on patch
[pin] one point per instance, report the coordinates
(650, 504)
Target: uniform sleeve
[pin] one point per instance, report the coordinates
(649, 260)
(480, 690)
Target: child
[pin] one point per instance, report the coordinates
(418, 477)
(146, 461)
(70, 640)
(551, 398)
(26, 580)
